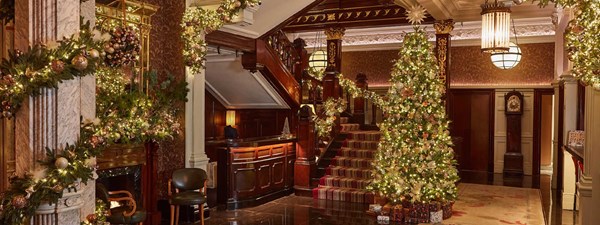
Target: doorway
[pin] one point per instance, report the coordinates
(472, 128)
(543, 132)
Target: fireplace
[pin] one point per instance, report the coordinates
(123, 178)
(132, 168)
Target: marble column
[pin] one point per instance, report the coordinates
(38, 124)
(195, 153)
(570, 123)
(590, 203)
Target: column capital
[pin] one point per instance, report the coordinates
(568, 78)
(335, 33)
(443, 26)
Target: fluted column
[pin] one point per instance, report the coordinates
(590, 203)
(52, 119)
(570, 123)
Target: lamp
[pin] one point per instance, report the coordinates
(510, 59)
(230, 118)
(318, 58)
(495, 27)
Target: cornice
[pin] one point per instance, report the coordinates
(531, 30)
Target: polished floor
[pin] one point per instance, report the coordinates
(294, 210)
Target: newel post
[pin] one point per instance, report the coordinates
(302, 60)
(359, 102)
(305, 165)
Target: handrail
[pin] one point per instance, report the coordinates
(284, 48)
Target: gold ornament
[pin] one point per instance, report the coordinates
(94, 53)
(19, 201)
(80, 62)
(57, 66)
(61, 163)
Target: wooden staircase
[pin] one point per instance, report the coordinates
(347, 168)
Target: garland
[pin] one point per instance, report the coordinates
(197, 22)
(332, 107)
(25, 74)
(581, 39)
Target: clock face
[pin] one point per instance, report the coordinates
(513, 104)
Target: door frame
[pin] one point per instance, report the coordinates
(537, 125)
(492, 115)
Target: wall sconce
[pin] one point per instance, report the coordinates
(230, 118)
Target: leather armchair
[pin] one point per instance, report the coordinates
(129, 213)
(187, 187)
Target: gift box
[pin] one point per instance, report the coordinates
(383, 219)
(436, 216)
(418, 213)
(375, 208)
(447, 208)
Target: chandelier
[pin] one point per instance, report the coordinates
(495, 27)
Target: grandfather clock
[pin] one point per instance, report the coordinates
(513, 158)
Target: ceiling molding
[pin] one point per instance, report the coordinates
(530, 30)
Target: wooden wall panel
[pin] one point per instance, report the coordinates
(262, 122)
(471, 112)
(215, 117)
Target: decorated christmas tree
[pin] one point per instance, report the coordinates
(414, 161)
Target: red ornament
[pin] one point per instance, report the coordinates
(19, 201)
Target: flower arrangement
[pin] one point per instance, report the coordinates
(198, 22)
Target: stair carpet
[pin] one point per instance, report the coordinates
(349, 173)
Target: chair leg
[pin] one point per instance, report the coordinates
(201, 214)
(172, 214)
(176, 215)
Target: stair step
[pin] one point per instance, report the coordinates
(343, 182)
(358, 173)
(343, 194)
(344, 120)
(361, 144)
(357, 153)
(351, 162)
(364, 135)
(347, 127)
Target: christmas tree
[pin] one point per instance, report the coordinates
(414, 160)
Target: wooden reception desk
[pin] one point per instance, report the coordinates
(255, 171)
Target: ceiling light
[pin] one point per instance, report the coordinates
(495, 27)
(507, 60)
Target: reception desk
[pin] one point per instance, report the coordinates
(254, 171)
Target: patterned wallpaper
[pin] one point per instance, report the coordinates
(166, 57)
(469, 67)
(376, 65)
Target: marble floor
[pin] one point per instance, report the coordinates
(294, 210)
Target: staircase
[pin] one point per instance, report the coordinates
(349, 171)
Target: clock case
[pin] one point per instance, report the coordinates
(507, 96)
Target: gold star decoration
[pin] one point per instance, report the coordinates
(416, 14)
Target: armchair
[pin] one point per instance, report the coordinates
(189, 186)
(129, 213)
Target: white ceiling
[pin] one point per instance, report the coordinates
(469, 10)
(268, 15)
(237, 88)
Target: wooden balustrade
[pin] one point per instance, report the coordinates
(285, 49)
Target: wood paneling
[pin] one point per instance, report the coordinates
(263, 122)
(214, 117)
(472, 116)
(250, 175)
(220, 38)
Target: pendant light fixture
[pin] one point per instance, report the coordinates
(495, 27)
(318, 58)
(508, 60)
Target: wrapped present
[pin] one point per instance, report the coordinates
(436, 216)
(383, 219)
(397, 213)
(375, 208)
(418, 213)
(447, 208)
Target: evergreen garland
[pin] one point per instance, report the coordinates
(7, 11)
